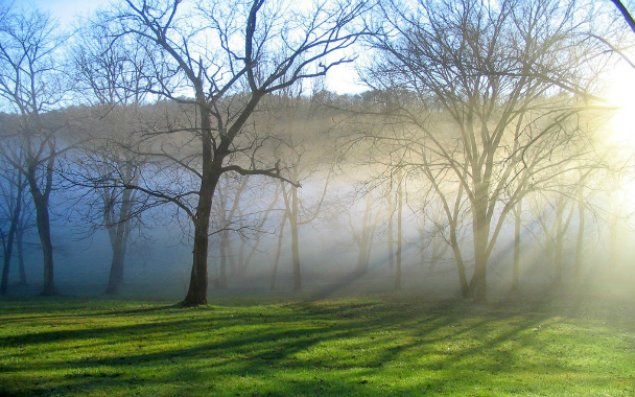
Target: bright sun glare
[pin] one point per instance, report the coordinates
(621, 94)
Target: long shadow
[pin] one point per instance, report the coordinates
(272, 341)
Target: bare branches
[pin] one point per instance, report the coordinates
(625, 13)
(270, 172)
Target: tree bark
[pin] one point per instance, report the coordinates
(478, 284)
(197, 291)
(212, 163)
(41, 202)
(44, 232)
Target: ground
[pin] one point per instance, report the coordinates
(349, 347)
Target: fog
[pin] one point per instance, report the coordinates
(158, 151)
(343, 200)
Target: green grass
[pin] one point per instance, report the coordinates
(348, 347)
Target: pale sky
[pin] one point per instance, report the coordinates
(65, 11)
(341, 79)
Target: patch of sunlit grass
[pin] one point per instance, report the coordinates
(337, 347)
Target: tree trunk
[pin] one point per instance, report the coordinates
(580, 238)
(118, 243)
(41, 202)
(614, 256)
(389, 231)
(221, 281)
(454, 243)
(366, 237)
(8, 248)
(20, 251)
(44, 232)
(212, 164)
(478, 284)
(558, 244)
(276, 261)
(295, 251)
(115, 280)
(197, 291)
(399, 236)
(516, 266)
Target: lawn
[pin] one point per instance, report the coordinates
(348, 347)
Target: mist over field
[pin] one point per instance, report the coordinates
(160, 150)
(347, 212)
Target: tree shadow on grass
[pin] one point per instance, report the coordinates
(339, 345)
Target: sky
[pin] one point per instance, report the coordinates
(342, 79)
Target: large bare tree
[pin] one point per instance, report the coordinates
(498, 85)
(222, 59)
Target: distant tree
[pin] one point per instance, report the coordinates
(31, 84)
(13, 188)
(364, 230)
(297, 211)
(508, 82)
(111, 77)
(228, 202)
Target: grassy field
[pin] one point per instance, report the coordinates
(347, 347)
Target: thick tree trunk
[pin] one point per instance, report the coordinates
(41, 202)
(458, 258)
(295, 250)
(4, 283)
(478, 284)
(197, 291)
(212, 164)
(44, 232)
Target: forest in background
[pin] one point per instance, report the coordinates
(483, 158)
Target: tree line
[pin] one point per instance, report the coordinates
(475, 111)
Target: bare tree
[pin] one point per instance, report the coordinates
(30, 85)
(504, 75)
(229, 57)
(364, 231)
(12, 189)
(625, 13)
(112, 77)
